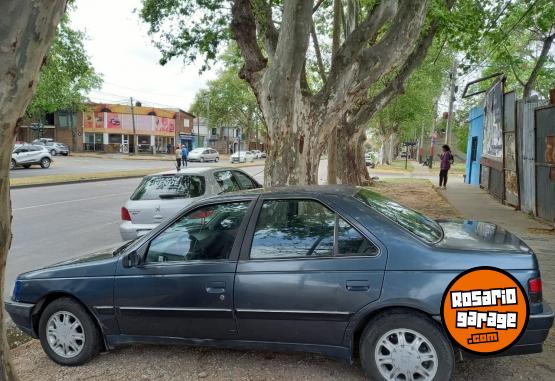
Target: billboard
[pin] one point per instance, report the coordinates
(493, 125)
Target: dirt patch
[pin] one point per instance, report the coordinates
(542, 231)
(16, 337)
(419, 195)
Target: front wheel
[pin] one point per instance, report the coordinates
(68, 333)
(13, 164)
(202, 160)
(45, 163)
(216, 159)
(405, 346)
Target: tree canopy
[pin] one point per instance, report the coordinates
(66, 76)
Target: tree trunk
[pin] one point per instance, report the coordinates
(28, 28)
(529, 86)
(333, 157)
(351, 165)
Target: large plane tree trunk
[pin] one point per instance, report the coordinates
(26, 31)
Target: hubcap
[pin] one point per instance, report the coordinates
(45, 162)
(404, 354)
(65, 334)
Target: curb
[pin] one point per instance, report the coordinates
(22, 186)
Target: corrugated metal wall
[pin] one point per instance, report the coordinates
(526, 157)
(509, 147)
(545, 163)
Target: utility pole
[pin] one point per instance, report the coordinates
(198, 131)
(452, 77)
(434, 135)
(135, 140)
(420, 151)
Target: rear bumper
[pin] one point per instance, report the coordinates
(22, 316)
(128, 230)
(535, 334)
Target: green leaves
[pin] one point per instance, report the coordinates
(66, 77)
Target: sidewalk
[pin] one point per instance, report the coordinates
(476, 204)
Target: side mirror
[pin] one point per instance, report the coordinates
(133, 259)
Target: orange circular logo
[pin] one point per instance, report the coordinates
(485, 310)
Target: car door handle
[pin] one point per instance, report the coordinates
(358, 285)
(215, 287)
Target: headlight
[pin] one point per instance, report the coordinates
(16, 290)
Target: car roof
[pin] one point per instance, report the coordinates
(302, 191)
(194, 171)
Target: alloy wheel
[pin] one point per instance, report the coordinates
(65, 334)
(404, 354)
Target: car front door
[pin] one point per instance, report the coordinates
(304, 270)
(184, 286)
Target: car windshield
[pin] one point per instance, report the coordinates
(169, 186)
(418, 224)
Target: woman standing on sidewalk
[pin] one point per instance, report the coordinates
(446, 161)
(178, 157)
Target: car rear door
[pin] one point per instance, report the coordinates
(304, 270)
(184, 288)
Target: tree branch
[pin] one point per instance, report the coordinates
(243, 26)
(317, 5)
(539, 64)
(321, 68)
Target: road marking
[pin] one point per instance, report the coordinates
(70, 201)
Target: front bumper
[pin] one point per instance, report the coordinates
(22, 316)
(128, 230)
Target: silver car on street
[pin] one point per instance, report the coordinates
(27, 155)
(162, 195)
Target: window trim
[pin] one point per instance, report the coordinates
(249, 232)
(143, 245)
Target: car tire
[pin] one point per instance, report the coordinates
(53, 152)
(13, 164)
(201, 159)
(392, 327)
(45, 162)
(62, 312)
(216, 159)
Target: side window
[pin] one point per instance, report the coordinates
(207, 233)
(244, 181)
(226, 181)
(292, 229)
(351, 243)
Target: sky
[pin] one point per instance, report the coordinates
(121, 50)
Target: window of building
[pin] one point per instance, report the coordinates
(114, 139)
(214, 131)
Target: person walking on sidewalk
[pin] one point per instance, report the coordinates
(184, 154)
(177, 157)
(446, 161)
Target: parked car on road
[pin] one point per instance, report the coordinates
(340, 271)
(257, 154)
(204, 154)
(27, 155)
(56, 148)
(370, 159)
(162, 195)
(242, 157)
(263, 155)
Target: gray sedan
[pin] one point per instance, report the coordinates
(162, 195)
(340, 271)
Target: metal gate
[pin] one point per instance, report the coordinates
(526, 158)
(545, 163)
(509, 147)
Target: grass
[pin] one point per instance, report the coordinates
(395, 166)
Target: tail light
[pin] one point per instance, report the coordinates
(535, 290)
(125, 216)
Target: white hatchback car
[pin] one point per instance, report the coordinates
(203, 154)
(162, 195)
(27, 155)
(241, 157)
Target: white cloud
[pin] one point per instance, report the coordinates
(121, 50)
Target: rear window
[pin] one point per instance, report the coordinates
(169, 186)
(418, 224)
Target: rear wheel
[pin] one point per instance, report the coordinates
(216, 159)
(68, 333)
(53, 152)
(13, 164)
(45, 162)
(405, 346)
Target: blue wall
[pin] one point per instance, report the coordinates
(476, 129)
